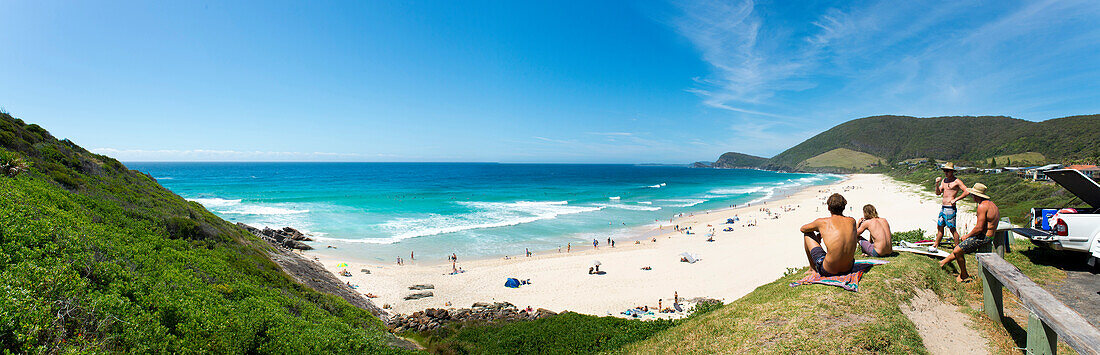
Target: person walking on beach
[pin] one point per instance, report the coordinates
(837, 233)
(952, 190)
(595, 244)
(988, 218)
(880, 244)
(568, 247)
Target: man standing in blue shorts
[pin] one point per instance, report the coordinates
(952, 190)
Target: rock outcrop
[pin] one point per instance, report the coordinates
(287, 237)
(433, 318)
(308, 272)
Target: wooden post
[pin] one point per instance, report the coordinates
(1000, 242)
(992, 295)
(1041, 339)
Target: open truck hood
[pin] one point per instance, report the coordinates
(1078, 184)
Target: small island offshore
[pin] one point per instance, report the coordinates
(537, 178)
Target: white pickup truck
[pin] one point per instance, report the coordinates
(1074, 229)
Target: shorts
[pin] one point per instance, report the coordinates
(947, 217)
(970, 245)
(868, 248)
(817, 254)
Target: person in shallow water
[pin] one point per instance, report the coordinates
(837, 233)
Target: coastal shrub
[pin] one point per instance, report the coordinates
(11, 164)
(563, 333)
(113, 262)
(912, 236)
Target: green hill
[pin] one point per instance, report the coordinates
(95, 257)
(972, 139)
(840, 159)
(738, 160)
(953, 138)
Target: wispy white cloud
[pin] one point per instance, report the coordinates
(622, 134)
(729, 38)
(789, 71)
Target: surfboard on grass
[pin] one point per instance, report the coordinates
(921, 249)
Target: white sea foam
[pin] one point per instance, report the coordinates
(164, 178)
(645, 202)
(683, 202)
(658, 185)
(215, 202)
(737, 191)
(631, 207)
(613, 198)
(483, 215)
(263, 210)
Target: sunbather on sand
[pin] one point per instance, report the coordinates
(838, 233)
(880, 243)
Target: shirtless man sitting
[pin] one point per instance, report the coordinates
(952, 190)
(880, 244)
(988, 218)
(838, 233)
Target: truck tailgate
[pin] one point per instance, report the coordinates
(1031, 233)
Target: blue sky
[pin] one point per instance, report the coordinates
(584, 81)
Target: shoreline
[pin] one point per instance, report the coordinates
(733, 265)
(625, 234)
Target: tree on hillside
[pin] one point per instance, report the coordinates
(993, 162)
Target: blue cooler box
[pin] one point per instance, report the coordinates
(1047, 214)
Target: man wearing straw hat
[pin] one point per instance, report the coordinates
(952, 190)
(988, 217)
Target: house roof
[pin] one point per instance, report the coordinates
(1082, 167)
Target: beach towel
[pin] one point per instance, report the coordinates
(849, 281)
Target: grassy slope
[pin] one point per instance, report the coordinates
(840, 158)
(815, 318)
(563, 333)
(1018, 159)
(95, 257)
(738, 160)
(956, 138)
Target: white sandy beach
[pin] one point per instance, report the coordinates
(730, 267)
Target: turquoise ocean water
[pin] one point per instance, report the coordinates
(377, 211)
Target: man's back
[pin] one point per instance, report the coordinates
(992, 217)
(880, 234)
(838, 233)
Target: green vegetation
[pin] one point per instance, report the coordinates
(1017, 159)
(971, 139)
(777, 318)
(842, 159)
(563, 333)
(738, 160)
(98, 258)
(12, 164)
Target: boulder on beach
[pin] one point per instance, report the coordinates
(419, 295)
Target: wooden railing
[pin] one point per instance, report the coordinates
(1048, 319)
